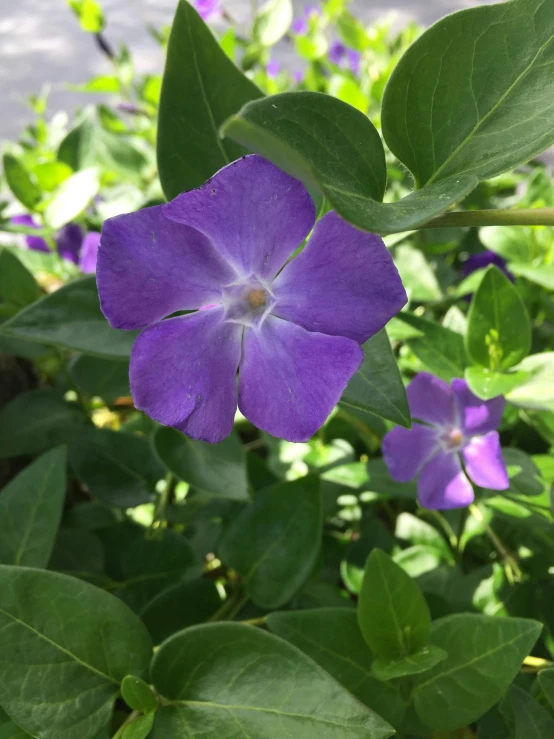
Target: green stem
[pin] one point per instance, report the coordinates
(511, 567)
(129, 720)
(229, 608)
(500, 217)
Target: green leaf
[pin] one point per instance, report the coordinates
(487, 384)
(473, 95)
(418, 277)
(546, 681)
(219, 469)
(531, 720)
(89, 14)
(335, 149)
(139, 728)
(484, 655)
(392, 612)
(272, 22)
(275, 541)
(72, 197)
(17, 284)
(537, 393)
(499, 329)
(66, 646)
(332, 638)
(9, 730)
(440, 349)
(201, 88)
(20, 183)
(71, 318)
(179, 606)
(138, 695)
(117, 467)
(50, 175)
(542, 275)
(421, 661)
(31, 509)
(352, 31)
(217, 677)
(377, 386)
(106, 378)
(513, 243)
(416, 531)
(79, 553)
(35, 421)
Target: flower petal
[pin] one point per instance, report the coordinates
(431, 400)
(343, 283)
(255, 214)
(484, 462)
(183, 373)
(443, 484)
(290, 379)
(68, 242)
(36, 243)
(405, 451)
(477, 416)
(89, 252)
(149, 267)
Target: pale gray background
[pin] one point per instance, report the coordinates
(41, 42)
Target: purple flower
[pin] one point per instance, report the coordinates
(36, 243)
(300, 25)
(272, 69)
(70, 243)
(207, 9)
(483, 259)
(458, 427)
(295, 332)
(344, 57)
(298, 76)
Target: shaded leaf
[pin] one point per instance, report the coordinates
(421, 661)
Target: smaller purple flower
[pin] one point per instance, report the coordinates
(272, 69)
(298, 76)
(68, 241)
(207, 9)
(456, 427)
(35, 243)
(483, 259)
(344, 57)
(300, 25)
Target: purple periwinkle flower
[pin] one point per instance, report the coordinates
(344, 57)
(483, 259)
(300, 25)
(207, 9)
(291, 330)
(71, 244)
(456, 427)
(272, 69)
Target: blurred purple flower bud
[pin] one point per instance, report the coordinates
(272, 69)
(35, 243)
(207, 9)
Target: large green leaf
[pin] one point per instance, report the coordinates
(272, 22)
(35, 421)
(537, 393)
(72, 197)
(31, 509)
(377, 386)
(334, 148)
(106, 378)
(421, 661)
(499, 330)
(66, 646)
(332, 638)
(530, 719)
(484, 655)
(219, 469)
(546, 682)
(17, 284)
(487, 384)
(393, 615)
(473, 95)
(229, 680)
(275, 541)
(201, 89)
(119, 468)
(71, 318)
(440, 349)
(20, 183)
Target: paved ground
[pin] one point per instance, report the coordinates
(41, 43)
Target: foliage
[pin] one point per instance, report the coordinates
(289, 589)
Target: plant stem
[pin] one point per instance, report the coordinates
(260, 621)
(129, 720)
(500, 217)
(229, 608)
(511, 567)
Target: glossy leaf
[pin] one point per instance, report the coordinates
(377, 386)
(542, 275)
(71, 318)
(35, 421)
(140, 728)
(217, 677)
(499, 330)
(106, 378)
(72, 197)
(17, 284)
(537, 393)
(20, 183)
(440, 349)
(531, 720)
(487, 384)
(138, 695)
(219, 469)
(275, 541)
(473, 95)
(201, 89)
(546, 682)
(334, 148)
(421, 661)
(484, 655)
(65, 646)
(31, 509)
(393, 615)
(272, 22)
(332, 638)
(119, 468)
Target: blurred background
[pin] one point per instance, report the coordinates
(42, 44)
